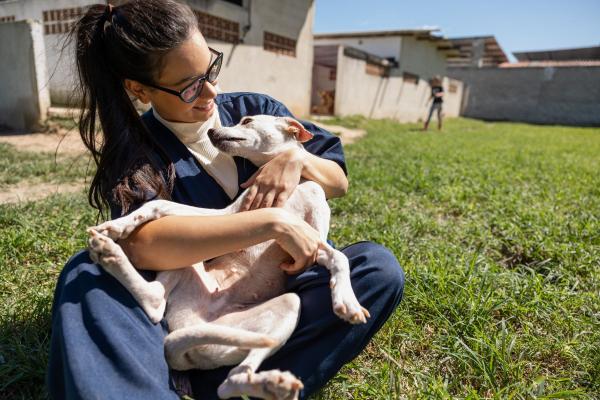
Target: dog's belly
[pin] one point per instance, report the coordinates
(239, 280)
(234, 283)
(190, 300)
(259, 278)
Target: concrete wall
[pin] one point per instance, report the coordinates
(60, 58)
(24, 95)
(247, 67)
(454, 93)
(421, 57)
(550, 95)
(386, 97)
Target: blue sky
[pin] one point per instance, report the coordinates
(517, 24)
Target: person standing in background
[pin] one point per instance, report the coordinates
(437, 94)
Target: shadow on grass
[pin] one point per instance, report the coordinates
(24, 357)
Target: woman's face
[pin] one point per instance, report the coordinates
(180, 66)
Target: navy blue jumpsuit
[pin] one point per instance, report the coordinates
(104, 346)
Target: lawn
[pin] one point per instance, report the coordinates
(497, 226)
(32, 167)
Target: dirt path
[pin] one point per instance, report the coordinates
(63, 142)
(57, 139)
(66, 142)
(347, 135)
(24, 191)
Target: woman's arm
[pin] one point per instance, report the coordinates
(177, 241)
(326, 173)
(275, 181)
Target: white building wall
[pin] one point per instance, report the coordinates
(247, 67)
(24, 98)
(386, 97)
(59, 58)
(421, 57)
(453, 101)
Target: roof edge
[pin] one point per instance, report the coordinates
(382, 33)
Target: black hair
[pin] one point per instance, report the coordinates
(114, 43)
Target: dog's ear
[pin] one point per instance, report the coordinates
(295, 128)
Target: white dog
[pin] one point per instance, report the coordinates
(233, 309)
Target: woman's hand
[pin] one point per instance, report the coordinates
(298, 239)
(275, 181)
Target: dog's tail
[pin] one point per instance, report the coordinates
(178, 342)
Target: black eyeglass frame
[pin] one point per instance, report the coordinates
(201, 79)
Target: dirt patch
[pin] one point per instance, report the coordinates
(26, 191)
(66, 142)
(347, 135)
(57, 140)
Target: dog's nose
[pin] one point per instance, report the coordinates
(211, 134)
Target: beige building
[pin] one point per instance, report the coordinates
(268, 44)
(381, 74)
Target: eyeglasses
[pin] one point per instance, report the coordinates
(192, 91)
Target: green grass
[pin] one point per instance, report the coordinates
(36, 239)
(64, 122)
(497, 226)
(33, 167)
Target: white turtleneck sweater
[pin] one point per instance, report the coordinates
(217, 164)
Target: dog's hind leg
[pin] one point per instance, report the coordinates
(277, 318)
(345, 303)
(179, 342)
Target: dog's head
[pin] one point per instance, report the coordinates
(259, 138)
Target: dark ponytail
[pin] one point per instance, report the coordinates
(114, 44)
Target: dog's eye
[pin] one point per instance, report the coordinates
(246, 121)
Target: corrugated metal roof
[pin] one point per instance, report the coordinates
(381, 33)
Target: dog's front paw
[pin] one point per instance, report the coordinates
(272, 385)
(345, 303)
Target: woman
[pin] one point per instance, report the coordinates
(103, 345)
